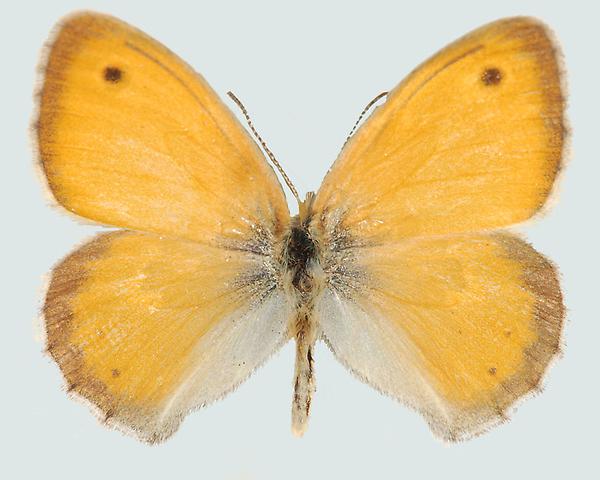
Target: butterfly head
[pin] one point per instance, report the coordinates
(305, 208)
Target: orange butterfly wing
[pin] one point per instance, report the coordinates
(471, 140)
(458, 328)
(130, 136)
(148, 328)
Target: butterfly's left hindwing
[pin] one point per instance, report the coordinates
(147, 328)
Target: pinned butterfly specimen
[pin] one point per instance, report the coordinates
(401, 262)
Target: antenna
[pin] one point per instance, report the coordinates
(362, 114)
(264, 146)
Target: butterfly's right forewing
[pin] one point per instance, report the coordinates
(471, 140)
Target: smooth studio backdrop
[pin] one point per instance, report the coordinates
(304, 70)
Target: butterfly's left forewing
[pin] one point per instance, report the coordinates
(130, 136)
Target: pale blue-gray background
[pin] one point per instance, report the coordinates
(304, 70)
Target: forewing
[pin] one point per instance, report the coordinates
(471, 140)
(130, 136)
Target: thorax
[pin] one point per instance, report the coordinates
(303, 274)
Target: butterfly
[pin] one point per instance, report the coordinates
(402, 262)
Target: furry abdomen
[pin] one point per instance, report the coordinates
(303, 277)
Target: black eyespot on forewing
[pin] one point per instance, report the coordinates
(113, 74)
(491, 76)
